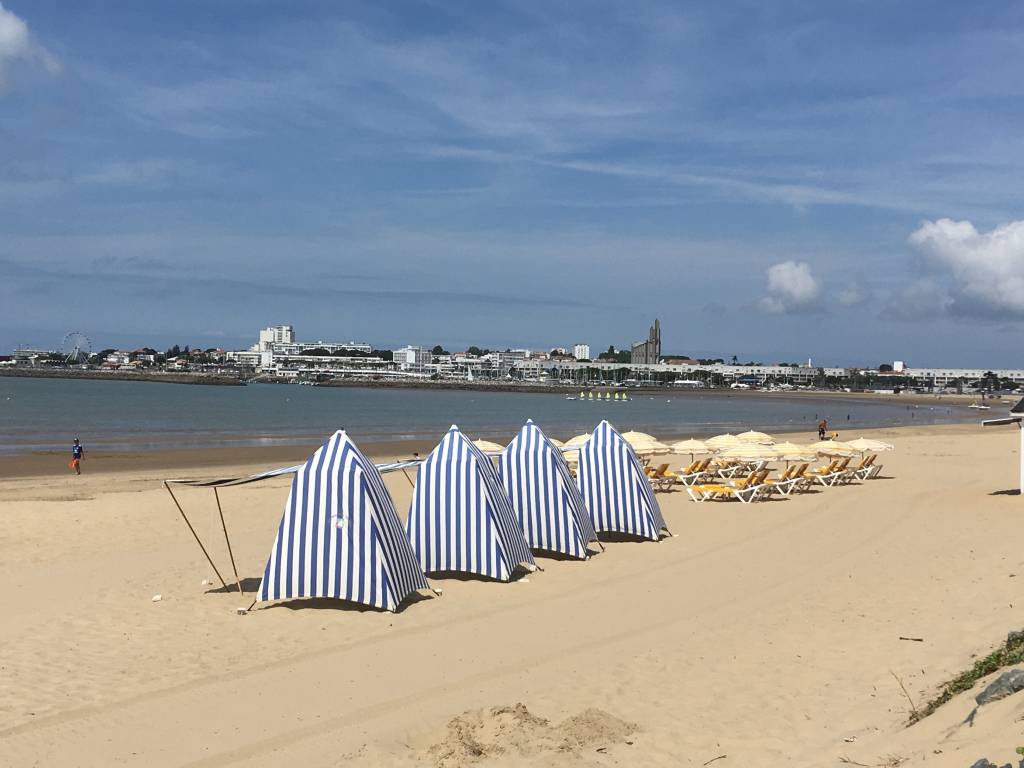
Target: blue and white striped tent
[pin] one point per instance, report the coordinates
(614, 487)
(544, 495)
(460, 518)
(340, 535)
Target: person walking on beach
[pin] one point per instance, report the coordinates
(822, 428)
(77, 453)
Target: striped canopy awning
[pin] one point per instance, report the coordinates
(544, 495)
(340, 536)
(614, 487)
(460, 518)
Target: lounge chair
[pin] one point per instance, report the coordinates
(784, 482)
(861, 471)
(662, 478)
(696, 472)
(801, 480)
(745, 490)
(833, 474)
(870, 469)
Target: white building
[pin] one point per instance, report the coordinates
(411, 358)
(275, 334)
(581, 351)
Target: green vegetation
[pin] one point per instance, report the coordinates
(615, 356)
(1009, 653)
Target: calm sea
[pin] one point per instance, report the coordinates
(43, 414)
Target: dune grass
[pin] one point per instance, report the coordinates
(1009, 653)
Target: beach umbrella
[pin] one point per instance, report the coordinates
(556, 443)
(832, 448)
(750, 451)
(865, 444)
(644, 443)
(576, 442)
(755, 437)
(653, 448)
(488, 447)
(690, 446)
(721, 442)
(792, 452)
(634, 435)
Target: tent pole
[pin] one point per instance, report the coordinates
(411, 483)
(223, 525)
(195, 535)
(1020, 425)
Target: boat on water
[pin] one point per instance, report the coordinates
(979, 407)
(570, 397)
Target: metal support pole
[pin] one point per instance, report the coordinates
(1020, 425)
(195, 535)
(227, 541)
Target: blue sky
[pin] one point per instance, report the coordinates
(773, 180)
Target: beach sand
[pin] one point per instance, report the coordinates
(768, 634)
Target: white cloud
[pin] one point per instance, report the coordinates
(17, 44)
(791, 288)
(984, 270)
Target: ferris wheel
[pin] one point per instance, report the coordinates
(76, 348)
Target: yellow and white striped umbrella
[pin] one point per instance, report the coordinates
(577, 441)
(756, 437)
(488, 447)
(721, 442)
(750, 451)
(832, 448)
(691, 447)
(793, 451)
(864, 444)
(644, 443)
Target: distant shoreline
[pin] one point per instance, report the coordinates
(157, 377)
(212, 379)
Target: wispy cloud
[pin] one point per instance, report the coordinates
(134, 173)
(17, 44)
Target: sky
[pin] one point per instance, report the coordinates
(777, 181)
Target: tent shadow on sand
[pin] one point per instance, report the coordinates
(547, 554)
(1007, 492)
(517, 575)
(334, 604)
(249, 585)
(615, 537)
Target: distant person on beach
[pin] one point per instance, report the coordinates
(822, 428)
(77, 454)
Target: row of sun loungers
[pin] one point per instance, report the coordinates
(704, 480)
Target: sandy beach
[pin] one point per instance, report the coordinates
(761, 635)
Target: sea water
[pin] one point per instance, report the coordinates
(45, 414)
